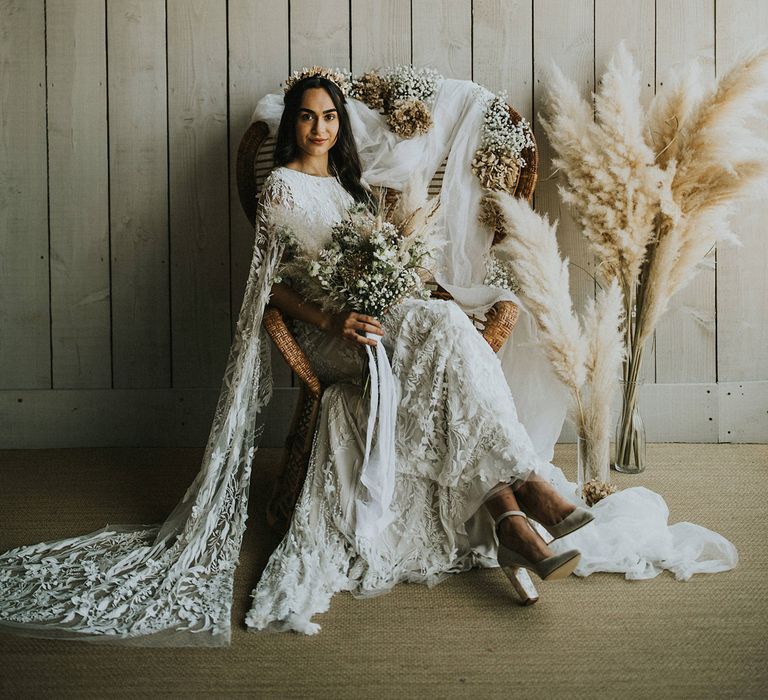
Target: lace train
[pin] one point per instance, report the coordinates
(168, 584)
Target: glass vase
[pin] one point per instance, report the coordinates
(629, 447)
(581, 465)
(593, 461)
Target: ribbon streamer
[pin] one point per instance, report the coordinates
(377, 475)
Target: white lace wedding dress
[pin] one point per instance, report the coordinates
(458, 438)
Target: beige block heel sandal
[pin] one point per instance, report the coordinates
(552, 568)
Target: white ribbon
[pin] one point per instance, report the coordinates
(377, 475)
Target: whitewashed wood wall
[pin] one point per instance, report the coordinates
(123, 248)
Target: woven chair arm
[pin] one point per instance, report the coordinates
(275, 325)
(249, 147)
(500, 321)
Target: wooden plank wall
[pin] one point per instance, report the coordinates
(138, 195)
(123, 249)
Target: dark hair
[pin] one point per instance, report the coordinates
(343, 160)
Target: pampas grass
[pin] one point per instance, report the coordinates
(411, 211)
(586, 355)
(653, 191)
(414, 210)
(713, 160)
(611, 179)
(602, 322)
(532, 253)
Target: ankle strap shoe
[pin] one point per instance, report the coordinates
(570, 523)
(550, 569)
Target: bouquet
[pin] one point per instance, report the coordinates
(405, 94)
(373, 261)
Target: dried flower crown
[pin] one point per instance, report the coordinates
(341, 77)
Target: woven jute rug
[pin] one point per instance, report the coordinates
(596, 637)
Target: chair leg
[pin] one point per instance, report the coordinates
(293, 470)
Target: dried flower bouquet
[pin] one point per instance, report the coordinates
(404, 93)
(373, 261)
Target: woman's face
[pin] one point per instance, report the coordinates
(317, 125)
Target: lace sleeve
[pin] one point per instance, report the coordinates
(275, 192)
(275, 205)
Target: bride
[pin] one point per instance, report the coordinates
(468, 474)
(459, 444)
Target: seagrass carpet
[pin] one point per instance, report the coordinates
(596, 637)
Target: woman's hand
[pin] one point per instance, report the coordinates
(346, 324)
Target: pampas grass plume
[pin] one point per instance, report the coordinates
(530, 247)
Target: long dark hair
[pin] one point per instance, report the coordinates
(343, 160)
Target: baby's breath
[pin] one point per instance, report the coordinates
(408, 83)
(500, 133)
(368, 266)
(499, 273)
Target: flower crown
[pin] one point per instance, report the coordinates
(341, 77)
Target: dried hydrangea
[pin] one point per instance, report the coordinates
(370, 88)
(491, 217)
(409, 118)
(496, 169)
(404, 93)
(595, 490)
(498, 161)
(498, 273)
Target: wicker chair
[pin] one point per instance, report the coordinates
(254, 162)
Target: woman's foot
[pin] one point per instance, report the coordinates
(516, 533)
(542, 502)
